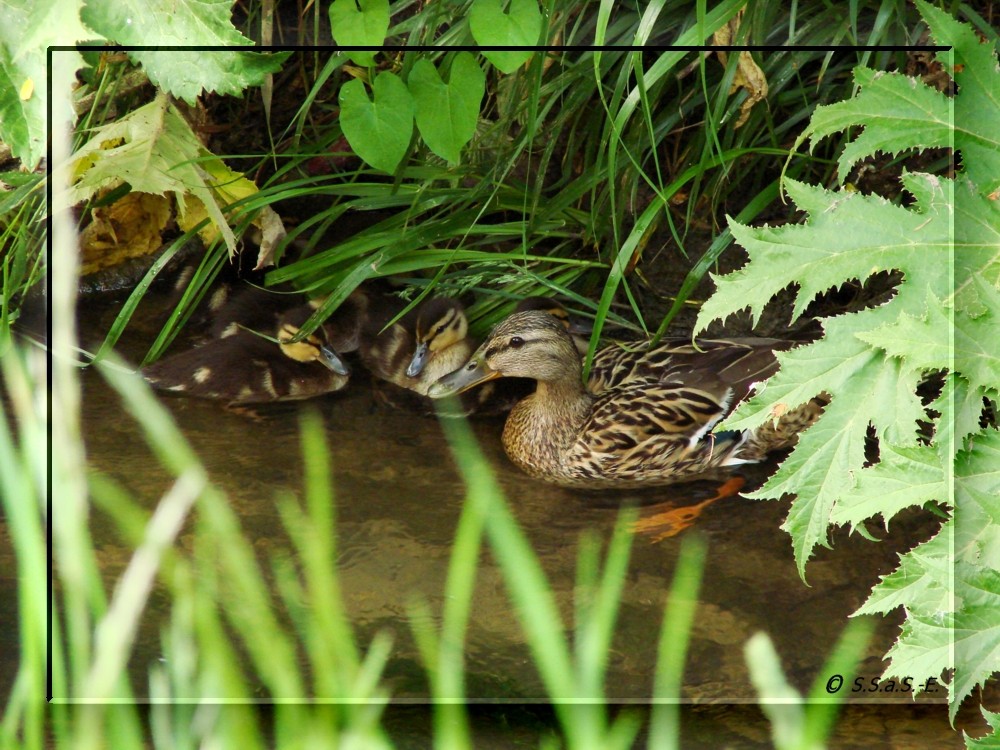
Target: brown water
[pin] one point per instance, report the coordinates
(399, 499)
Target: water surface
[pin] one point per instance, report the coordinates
(399, 498)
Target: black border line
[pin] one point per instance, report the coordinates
(82, 48)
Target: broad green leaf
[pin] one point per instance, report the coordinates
(977, 104)
(977, 566)
(850, 371)
(965, 406)
(977, 248)
(976, 632)
(977, 495)
(187, 75)
(977, 354)
(942, 317)
(922, 342)
(379, 131)
(820, 471)
(183, 23)
(447, 113)
(990, 741)
(904, 476)
(27, 28)
(898, 112)
(922, 582)
(520, 26)
(924, 649)
(155, 151)
(362, 23)
(848, 235)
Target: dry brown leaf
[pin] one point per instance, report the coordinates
(131, 227)
(748, 75)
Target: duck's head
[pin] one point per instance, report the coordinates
(529, 344)
(311, 348)
(441, 323)
(579, 331)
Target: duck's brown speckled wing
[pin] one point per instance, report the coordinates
(241, 369)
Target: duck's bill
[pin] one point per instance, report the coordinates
(579, 328)
(419, 360)
(329, 358)
(474, 372)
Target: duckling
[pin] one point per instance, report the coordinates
(648, 422)
(410, 355)
(245, 368)
(432, 341)
(425, 344)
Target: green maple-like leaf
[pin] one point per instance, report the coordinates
(183, 23)
(904, 476)
(848, 235)
(900, 112)
(922, 582)
(966, 407)
(27, 28)
(155, 151)
(942, 320)
(977, 105)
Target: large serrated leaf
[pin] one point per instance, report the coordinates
(943, 318)
(27, 28)
(977, 104)
(921, 341)
(923, 580)
(447, 113)
(976, 632)
(905, 476)
(898, 112)
(848, 235)
(966, 406)
(977, 566)
(977, 355)
(183, 23)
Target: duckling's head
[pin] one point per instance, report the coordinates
(529, 344)
(312, 348)
(441, 323)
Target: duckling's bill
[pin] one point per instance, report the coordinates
(419, 360)
(474, 372)
(329, 358)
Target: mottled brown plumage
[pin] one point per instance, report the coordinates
(647, 416)
(243, 367)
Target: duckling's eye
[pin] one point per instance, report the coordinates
(516, 342)
(440, 330)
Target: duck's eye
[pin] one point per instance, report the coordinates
(516, 342)
(440, 330)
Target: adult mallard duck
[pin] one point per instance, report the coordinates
(647, 419)
(243, 367)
